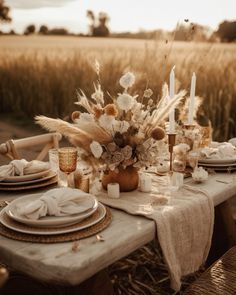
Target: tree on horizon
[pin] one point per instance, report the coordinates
(4, 12)
(227, 31)
(100, 29)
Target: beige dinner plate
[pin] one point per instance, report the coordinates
(218, 161)
(26, 177)
(89, 203)
(50, 175)
(29, 186)
(8, 222)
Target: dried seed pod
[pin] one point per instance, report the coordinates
(111, 110)
(75, 115)
(158, 133)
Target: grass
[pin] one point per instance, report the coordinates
(39, 75)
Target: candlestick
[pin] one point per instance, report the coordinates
(192, 99)
(113, 190)
(172, 94)
(171, 144)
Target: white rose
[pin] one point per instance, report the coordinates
(125, 101)
(127, 80)
(96, 149)
(106, 121)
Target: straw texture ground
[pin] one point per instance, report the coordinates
(144, 273)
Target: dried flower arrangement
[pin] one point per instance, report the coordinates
(124, 132)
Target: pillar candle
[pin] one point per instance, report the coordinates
(192, 99)
(172, 94)
(145, 182)
(113, 190)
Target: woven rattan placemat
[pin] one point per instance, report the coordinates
(67, 237)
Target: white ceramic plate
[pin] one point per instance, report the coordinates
(26, 177)
(218, 165)
(218, 161)
(90, 203)
(18, 188)
(50, 175)
(19, 227)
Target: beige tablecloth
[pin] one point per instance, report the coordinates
(184, 225)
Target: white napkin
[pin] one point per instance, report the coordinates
(22, 167)
(233, 141)
(224, 150)
(57, 202)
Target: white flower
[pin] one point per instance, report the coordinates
(106, 121)
(127, 152)
(120, 126)
(127, 80)
(148, 93)
(199, 174)
(125, 101)
(96, 149)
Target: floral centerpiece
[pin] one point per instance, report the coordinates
(120, 134)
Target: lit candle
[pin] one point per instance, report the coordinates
(191, 99)
(172, 94)
(113, 190)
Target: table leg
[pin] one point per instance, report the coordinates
(224, 236)
(228, 222)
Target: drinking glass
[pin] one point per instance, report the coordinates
(179, 164)
(193, 157)
(67, 161)
(206, 136)
(53, 159)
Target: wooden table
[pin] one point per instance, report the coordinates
(58, 263)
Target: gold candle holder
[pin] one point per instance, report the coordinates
(171, 144)
(81, 181)
(189, 126)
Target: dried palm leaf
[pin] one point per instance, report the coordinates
(76, 136)
(163, 112)
(94, 130)
(183, 117)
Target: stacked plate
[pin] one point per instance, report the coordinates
(91, 213)
(219, 164)
(29, 181)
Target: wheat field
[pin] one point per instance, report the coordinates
(40, 75)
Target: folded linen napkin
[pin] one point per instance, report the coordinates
(22, 167)
(184, 225)
(219, 150)
(57, 202)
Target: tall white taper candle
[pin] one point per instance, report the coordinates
(172, 94)
(192, 99)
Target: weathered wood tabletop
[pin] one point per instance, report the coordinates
(126, 233)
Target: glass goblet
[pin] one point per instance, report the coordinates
(193, 158)
(67, 161)
(179, 164)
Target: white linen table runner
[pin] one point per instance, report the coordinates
(184, 225)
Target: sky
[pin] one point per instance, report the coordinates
(125, 15)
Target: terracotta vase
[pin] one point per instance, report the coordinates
(128, 179)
